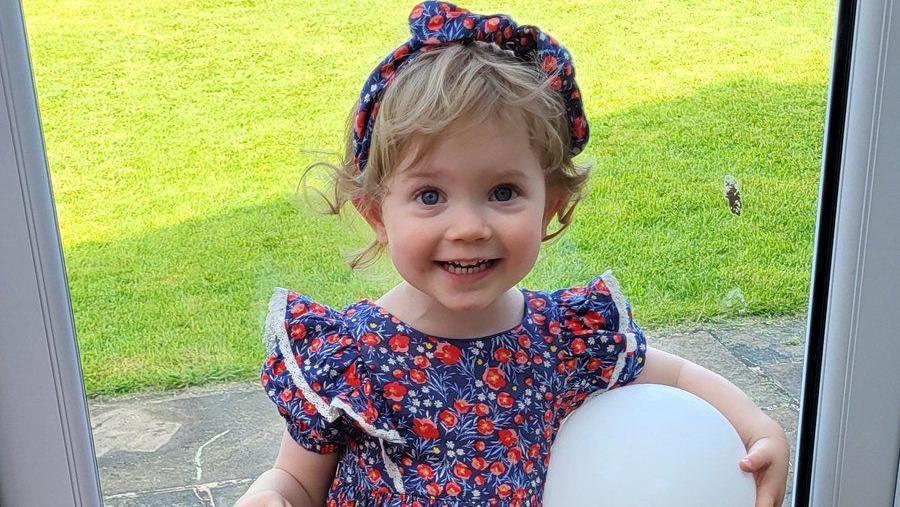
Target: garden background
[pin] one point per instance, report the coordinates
(177, 133)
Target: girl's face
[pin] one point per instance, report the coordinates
(478, 195)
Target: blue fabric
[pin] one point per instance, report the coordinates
(438, 23)
(463, 421)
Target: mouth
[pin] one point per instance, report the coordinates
(467, 267)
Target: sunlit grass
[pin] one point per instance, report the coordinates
(174, 133)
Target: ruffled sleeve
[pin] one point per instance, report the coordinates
(601, 347)
(314, 374)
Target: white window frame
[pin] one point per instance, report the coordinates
(849, 438)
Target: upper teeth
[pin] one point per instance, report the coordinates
(468, 264)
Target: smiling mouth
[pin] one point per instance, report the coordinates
(465, 269)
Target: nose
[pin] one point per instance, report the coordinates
(469, 222)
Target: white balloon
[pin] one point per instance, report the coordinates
(647, 445)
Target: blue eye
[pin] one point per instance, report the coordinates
(429, 197)
(504, 192)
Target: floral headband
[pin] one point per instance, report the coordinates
(439, 23)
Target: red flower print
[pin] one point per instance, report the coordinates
(514, 454)
(447, 353)
(556, 83)
(494, 378)
(433, 488)
(287, 395)
(548, 64)
(593, 363)
(425, 428)
(505, 400)
(317, 308)
(374, 475)
(479, 445)
(578, 127)
(521, 357)
(617, 338)
(278, 369)
(479, 463)
(548, 415)
(298, 331)
(469, 23)
(418, 376)
(444, 8)
(519, 419)
(524, 341)
(574, 325)
(346, 340)
(554, 328)
(485, 426)
(421, 361)
(507, 32)
(539, 318)
(401, 52)
(534, 451)
(504, 490)
(399, 343)
(394, 391)
(270, 360)
(482, 409)
(448, 418)
(491, 25)
(528, 466)
(593, 319)
(503, 355)
(462, 406)
(606, 373)
(599, 286)
(497, 468)
(508, 437)
(332, 338)
(578, 346)
(425, 471)
(398, 374)
(351, 376)
(462, 471)
(537, 303)
(315, 344)
(416, 12)
(480, 480)
(387, 70)
(436, 22)
(308, 407)
(453, 488)
(370, 339)
(537, 359)
(264, 379)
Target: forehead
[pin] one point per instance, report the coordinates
(483, 149)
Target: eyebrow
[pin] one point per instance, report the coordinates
(507, 172)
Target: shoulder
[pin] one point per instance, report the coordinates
(298, 319)
(596, 305)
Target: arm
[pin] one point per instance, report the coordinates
(767, 447)
(750, 422)
(300, 476)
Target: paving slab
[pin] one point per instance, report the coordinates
(205, 446)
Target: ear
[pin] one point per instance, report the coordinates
(555, 200)
(371, 212)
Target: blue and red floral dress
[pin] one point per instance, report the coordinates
(424, 420)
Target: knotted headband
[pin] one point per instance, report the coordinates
(437, 23)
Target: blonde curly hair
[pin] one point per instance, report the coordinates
(440, 89)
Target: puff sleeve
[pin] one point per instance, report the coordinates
(315, 376)
(601, 347)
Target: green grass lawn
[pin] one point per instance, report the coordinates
(174, 132)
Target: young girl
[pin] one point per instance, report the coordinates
(449, 389)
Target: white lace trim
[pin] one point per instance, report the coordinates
(276, 334)
(392, 469)
(630, 340)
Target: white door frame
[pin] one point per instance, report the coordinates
(849, 438)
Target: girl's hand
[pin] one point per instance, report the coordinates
(768, 460)
(266, 498)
